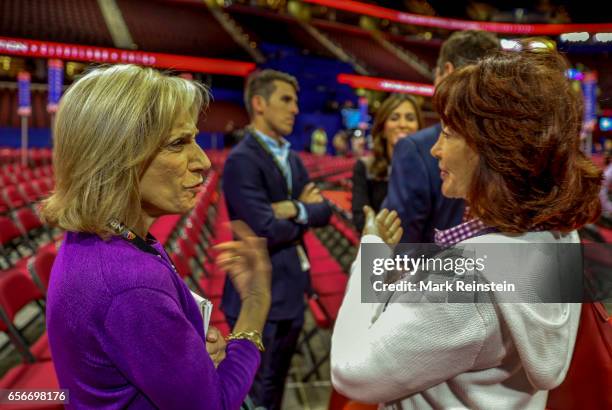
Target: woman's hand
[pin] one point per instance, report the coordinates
(386, 225)
(215, 345)
(247, 264)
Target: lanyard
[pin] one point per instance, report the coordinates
(276, 162)
(133, 238)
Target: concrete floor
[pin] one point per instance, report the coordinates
(314, 393)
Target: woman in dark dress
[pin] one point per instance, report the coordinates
(398, 116)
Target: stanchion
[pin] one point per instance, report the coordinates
(24, 110)
(24, 140)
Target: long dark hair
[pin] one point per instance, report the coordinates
(380, 165)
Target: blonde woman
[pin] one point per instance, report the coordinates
(123, 328)
(398, 116)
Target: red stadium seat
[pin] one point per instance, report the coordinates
(223, 327)
(43, 156)
(21, 175)
(28, 219)
(6, 180)
(35, 376)
(44, 185)
(336, 401)
(217, 316)
(40, 266)
(8, 231)
(163, 227)
(589, 378)
(212, 286)
(322, 319)
(13, 244)
(4, 206)
(329, 284)
(28, 191)
(186, 247)
(48, 170)
(12, 168)
(16, 291)
(330, 306)
(40, 187)
(39, 172)
(6, 154)
(181, 264)
(14, 198)
(353, 405)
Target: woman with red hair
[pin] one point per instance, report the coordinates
(510, 147)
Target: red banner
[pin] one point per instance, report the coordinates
(456, 24)
(75, 52)
(385, 84)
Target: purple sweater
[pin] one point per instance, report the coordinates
(126, 333)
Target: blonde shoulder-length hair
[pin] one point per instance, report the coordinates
(109, 126)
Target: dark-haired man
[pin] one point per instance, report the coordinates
(415, 184)
(267, 186)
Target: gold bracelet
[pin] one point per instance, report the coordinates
(252, 335)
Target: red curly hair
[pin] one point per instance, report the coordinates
(518, 112)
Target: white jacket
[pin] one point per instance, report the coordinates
(453, 356)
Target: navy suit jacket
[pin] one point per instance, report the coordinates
(415, 189)
(251, 183)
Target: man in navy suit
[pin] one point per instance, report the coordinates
(266, 185)
(415, 187)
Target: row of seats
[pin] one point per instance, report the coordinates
(179, 29)
(343, 179)
(66, 21)
(27, 253)
(15, 173)
(331, 251)
(36, 157)
(23, 236)
(22, 232)
(340, 200)
(13, 197)
(264, 26)
(328, 281)
(378, 60)
(321, 168)
(18, 289)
